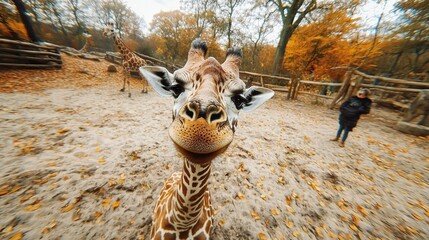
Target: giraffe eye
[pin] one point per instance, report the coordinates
(176, 90)
(239, 101)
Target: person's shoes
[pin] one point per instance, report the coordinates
(341, 144)
(334, 139)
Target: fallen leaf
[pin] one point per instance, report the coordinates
(290, 209)
(262, 236)
(116, 204)
(98, 214)
(221, 222)
(319, 232)
(362, 210)
(71, 206)
(295, 233)
(274, 211)
(8, 229)
(101, 160)
(264, 197)
(255, 215)
(353, 227)
(17, 236)
(240, 196)
(63, 130)
(417, 216)
(33, 206)
(355, 220)
(4, 190)
(289, 224)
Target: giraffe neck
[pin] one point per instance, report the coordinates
(187, 202)
(85, 47)
(121, 45)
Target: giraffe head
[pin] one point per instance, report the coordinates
(109, 30)
(208, 98)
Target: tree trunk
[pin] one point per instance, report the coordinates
(26, 20)
(291, 18)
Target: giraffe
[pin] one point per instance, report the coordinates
(85, 47)
(208, 98)
(130, 61)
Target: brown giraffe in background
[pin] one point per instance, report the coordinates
(208, 98)
(130, 61)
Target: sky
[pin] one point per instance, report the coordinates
(148, 8)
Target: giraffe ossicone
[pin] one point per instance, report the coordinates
(131, 62)
(208, 98)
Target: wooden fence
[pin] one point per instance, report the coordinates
(382, 87)
(386, 90)
(28, 55)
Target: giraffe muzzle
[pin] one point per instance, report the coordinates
(201, 129)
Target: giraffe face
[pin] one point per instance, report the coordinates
(208, 98)
(109, 30)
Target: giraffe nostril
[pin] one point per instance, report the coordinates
(215, 116)
(189, 113)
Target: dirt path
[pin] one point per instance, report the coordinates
(80, 160)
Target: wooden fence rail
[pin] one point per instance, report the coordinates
(28, 55)
(352, 82)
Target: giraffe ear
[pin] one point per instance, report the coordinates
(255, 97)
(159, 78)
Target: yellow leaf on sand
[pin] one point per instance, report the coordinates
(17, 236)
(417, 216)
(98, 214)
(290, 209)
(262, 236)
(353, 227)
(264, 197)
(63, 130)
(289, 224)
(116, 204)
(319, 231)
(101, 160)
(295, 233)
(274, 211)
(70, 206)
(255, 215)
(362, 210)
(240, 196)
(221, 222)
(355, 220)
(8, 229)
(33, 207)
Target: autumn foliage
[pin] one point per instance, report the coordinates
(333, 36)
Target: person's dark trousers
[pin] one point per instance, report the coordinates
(345, 135)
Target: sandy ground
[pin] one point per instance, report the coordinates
(81, 160)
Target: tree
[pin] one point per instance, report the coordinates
(26, 20)
(414, 30)
(175, 33)
(292, 12)
(256, 34)
(228, 9)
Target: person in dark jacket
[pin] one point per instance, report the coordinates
(350, 112)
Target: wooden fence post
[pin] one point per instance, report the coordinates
(262, 81)
(343, 89)
(296, 88)
(290, 92)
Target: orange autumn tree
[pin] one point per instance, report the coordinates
(330, 42)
